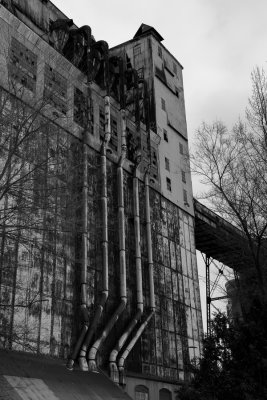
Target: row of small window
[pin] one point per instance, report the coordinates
(137, 52)
(165, 137)
(169, 187)
(167, 167)
(142, 393)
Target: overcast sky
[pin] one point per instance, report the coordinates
(218, 42)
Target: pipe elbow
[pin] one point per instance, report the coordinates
(83, 364)
(86, 28)
(140, 307)
(70, 364)
(124, 301)
(121, 363)
(113, 372)
(104, 297)
(92, 353)
(113, 356)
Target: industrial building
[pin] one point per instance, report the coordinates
(98, 258)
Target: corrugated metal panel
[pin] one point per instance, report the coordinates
(29, 377)
(30, 388)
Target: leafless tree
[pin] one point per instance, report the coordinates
(232, 164)
(36, 208)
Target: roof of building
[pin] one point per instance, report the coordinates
(27, 376)
(145, 29)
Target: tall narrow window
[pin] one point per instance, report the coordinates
(185, 197)
(159, 51)
(175, 68)
(181, 148)
(169, 184)
(165, 135)
(114, 127)
(101, 122)
(183, 177)
(154, 158)
(163, 104)
(167, 164)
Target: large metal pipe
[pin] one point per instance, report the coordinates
(122, 253)
(104, 243)
(142, 327)
(140, 304)
(83, 279)
(105, 291)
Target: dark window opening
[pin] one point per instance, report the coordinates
(165, 135)
(114, 126)
(167, 164)
(159, 51)
(101, 121)
(181, 148)
(154, 158)
(183, 177)
(169, 184)
(163, 104)
(165, 394)
(185, 197)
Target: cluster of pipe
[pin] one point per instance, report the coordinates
(81, 349)
(83, 289)
(104, 244)
(121, 222)
(140, 330)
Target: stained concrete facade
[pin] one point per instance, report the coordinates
(42, 260)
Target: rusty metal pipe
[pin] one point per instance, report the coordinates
(105, 291)
(130, 347)
(140, 304)
(84, 294)
(138, 261)
(151, 287)
(83, 290)
(122, 253)
(149, 244)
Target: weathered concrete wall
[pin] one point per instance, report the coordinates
(50, 268)
(163, 75)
